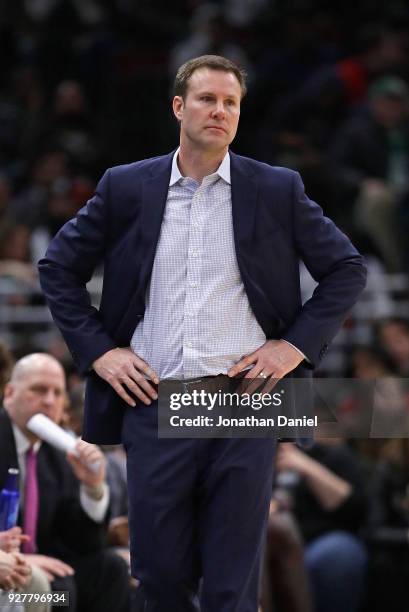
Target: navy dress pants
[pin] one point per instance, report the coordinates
(198, 512)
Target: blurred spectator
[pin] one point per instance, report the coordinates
(48, 171)
(325, 489)
(9, 124)
(388, 529)
(242, 13)
(39, 11)
(15, 243)
(64, 502)
(370, 362)
(70, 127)
(335, 87)
(210, 35)
(31, 100)
(17, 272)
(64, 203)
(379, 408)
(393, 336)
(370, 157)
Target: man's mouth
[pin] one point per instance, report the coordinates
(216, 127)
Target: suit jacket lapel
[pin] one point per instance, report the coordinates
(154, 195)
(244, 190)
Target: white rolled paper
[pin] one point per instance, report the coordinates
(50, 432)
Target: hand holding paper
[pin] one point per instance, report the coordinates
(83, 460)
(50, 432)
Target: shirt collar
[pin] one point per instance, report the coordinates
(223, 170)
(22, 442)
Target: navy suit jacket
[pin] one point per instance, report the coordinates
(275, 225)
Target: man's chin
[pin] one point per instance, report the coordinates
(216, 136)
(215, 143)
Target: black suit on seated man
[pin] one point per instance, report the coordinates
(64, 531)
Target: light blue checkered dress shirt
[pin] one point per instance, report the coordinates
(198, 320)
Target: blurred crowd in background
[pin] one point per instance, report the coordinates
(87, 84)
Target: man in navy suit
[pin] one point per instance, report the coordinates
(201, 253)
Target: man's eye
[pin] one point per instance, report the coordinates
(206, 98)
(38, 390)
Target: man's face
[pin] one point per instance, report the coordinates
(41, 389)
(395, 338)
(209, 114)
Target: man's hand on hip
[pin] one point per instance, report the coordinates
(124, 370)
(272, 361)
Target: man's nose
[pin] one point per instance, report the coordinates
(219, 110)
(49, 397)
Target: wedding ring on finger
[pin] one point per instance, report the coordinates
(263, 375)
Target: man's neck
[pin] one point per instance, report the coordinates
(198, 164)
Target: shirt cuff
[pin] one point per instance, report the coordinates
(95, 508)
(297, 349)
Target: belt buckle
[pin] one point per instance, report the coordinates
(194, 381)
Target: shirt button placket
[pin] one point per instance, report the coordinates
(193, 266)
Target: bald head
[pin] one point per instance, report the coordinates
(37, 384)
(33, 362)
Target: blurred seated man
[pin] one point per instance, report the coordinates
(64, 501)
(15, 261)
(377, 407)
(325, 486)
(369, 156)
(393, 336)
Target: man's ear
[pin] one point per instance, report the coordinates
(178, 105)
(7, 392)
